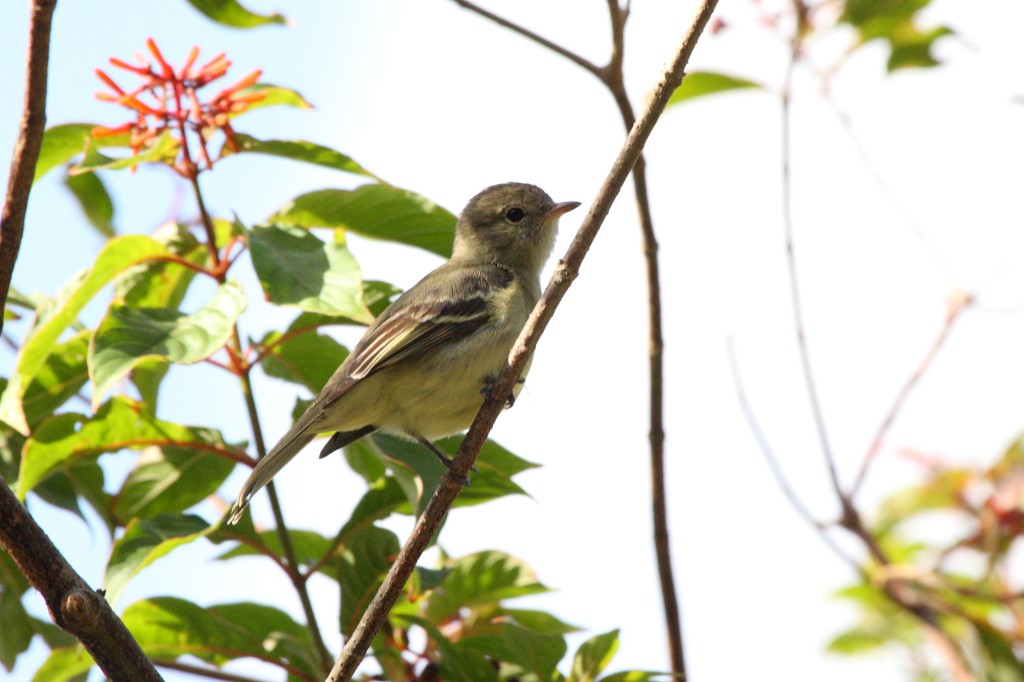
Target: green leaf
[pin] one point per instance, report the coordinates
(119, 424)
(169, 480)
(162, 150)
(64, 665)
(309, 546)
(301, 355)
(857, 640)
(458, 661)
(366, 558)
(94, 200)
(162, 283)
(166, 628)
(275, 95)
(144, 541)
(117, 255)
(61, 377)
(481, 579)
(295, 268)
(17, 631)
(363, 459)
(531, 651)
(593, 656)
(538, 621)
(895, 22)
(80, 481)
(378, 211)
(703, 83)
(64, 142)
(636, 676)
(147, 375)
(231, 13)
(128, 335)
(1000, 663)
(296, 150)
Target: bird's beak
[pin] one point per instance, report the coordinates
(560, 209)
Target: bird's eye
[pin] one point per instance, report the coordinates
(514, 215)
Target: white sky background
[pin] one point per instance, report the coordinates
(440, 101)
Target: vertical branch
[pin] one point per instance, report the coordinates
(26, 148)
(429, 522)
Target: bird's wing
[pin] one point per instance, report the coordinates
(450, 305)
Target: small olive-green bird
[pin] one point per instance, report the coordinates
(420, 369)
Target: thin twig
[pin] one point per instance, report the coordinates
(567, 270)
(234, 349)
(613, 79)
(26, 148)
(956, 305)
(201, 671)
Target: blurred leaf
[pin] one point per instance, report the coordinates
(856, 641)
(231, 13)
(539, 621)
(378, 211)
(162, 150)
(593, 656)
(296, 268)
(169, 480)
(17, 631)
(118, 425)
(144, 541)
(62, 375)
(481, 579)
(309, 546)
(64, 665)
(531, 651)
(940, 492)
(1002, 665)
(363, 459)
(162, 283)
(636, 676)
(275, 95)
(118, 254)
(79, 481)
(458, 662)
(301, 355)
(366, 558)
(94, 200)
(378, 295)
(62, 143)
(128, 335)
(166, 628)
(296, 150)
(895, 22)
(703, 83)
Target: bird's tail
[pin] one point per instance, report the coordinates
(266, 469)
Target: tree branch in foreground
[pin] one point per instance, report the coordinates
(567, 270)
(26, 148)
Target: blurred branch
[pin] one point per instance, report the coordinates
(26, 148)
(200, 671)
(611, 75)
(956, 305)
(567, 270)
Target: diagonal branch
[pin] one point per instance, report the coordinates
(567, 271)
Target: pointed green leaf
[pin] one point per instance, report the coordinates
(119, 424)
(378, 211)
(482, 579)
(128, 335)
(166, 628)
(458, 662)
(117, 255)
(79, 481)
(857, 640)
(593, 656)
(147, 375)
(61, 376)
(275, 95)
(94, 201)
(539, 621)
(162, 150)
(296, 150)
(144, 541)
(17, 631)
(703, 83)
(637, 676)
(530, 651)
(231, 13)
(896, 23)
(169, 480)
(309, 546)
(295, 268)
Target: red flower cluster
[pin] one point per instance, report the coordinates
(167, 100)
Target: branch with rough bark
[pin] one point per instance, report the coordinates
(567, 271)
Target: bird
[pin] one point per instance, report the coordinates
(423, 366)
